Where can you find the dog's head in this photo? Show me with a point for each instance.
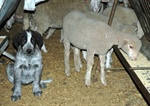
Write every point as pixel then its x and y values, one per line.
pixel 28 40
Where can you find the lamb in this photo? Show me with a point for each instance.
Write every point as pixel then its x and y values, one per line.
pixel 98 5
pixel 125 2
pixel 116 24
pixel 124 15
pixel 49 15
pixel 97 38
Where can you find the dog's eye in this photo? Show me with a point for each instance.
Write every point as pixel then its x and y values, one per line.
pixel 33 41
pixel 23 41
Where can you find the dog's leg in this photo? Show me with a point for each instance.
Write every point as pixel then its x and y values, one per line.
pixel 17 82
pixel 10 72
pixel 36 83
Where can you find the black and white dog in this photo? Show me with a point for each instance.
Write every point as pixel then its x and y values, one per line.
pixel 27 67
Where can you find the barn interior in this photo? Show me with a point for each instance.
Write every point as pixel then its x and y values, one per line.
pixel 122 87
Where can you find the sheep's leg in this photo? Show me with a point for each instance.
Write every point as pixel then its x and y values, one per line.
pixel 44 48
pixel 126 2
pixel 50 32
pixel 90 62
pixel 84 54
pixel 77 59
pixel 7 30
pixel 109 58
pixel 102 64
pixel 61 39
pixel 66 56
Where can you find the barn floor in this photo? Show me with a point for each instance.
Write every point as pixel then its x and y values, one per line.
pixel 70 91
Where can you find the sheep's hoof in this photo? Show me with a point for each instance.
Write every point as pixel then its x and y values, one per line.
pixel 67 73
pixel 77 69
pixel 109 71
pixel 80 65
pixel 88 83
pixel 103 81
pixel 45 51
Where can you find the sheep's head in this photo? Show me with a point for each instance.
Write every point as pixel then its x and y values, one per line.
pixel 131 47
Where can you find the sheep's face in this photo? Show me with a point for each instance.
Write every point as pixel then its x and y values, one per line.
pixel 95 5
pixel 132 48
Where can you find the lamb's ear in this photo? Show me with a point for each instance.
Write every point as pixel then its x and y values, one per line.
pixel 39 39
pixel 121 44
pixel 16 40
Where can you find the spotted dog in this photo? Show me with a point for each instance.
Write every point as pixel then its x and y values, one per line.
pixel 27 67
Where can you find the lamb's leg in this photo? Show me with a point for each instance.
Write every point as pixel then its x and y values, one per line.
pixel 44 48
pixel 66 56
pixel 90 62
pixel 84 54
pixel 102 64
pixel 61 39
pixel 109 58
pixel 77 59
pixel 126 2
pixel 50 32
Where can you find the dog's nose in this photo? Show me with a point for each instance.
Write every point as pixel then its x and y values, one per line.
pixel 29 51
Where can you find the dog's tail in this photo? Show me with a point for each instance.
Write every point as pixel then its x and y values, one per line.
pixel 44 82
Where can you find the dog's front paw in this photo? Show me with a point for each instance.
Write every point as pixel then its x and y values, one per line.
pixel 15 97
pixel 38 93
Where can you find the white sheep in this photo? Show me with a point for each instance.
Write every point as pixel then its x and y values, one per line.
pixel 98 5
pixel 116 24
pixel 125 2
pixel 28 22
pixel 49 15
pixel 128 17
pixel 97 38
pixel 124 15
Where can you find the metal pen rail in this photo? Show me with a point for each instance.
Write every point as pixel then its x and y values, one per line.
pixel 141 8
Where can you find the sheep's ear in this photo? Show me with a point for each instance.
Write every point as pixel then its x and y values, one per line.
pixel 39 39
pixel 134 24
pixel 121 44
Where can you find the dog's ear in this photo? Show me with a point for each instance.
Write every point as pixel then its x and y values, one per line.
pixel 39 39
pixel 16 40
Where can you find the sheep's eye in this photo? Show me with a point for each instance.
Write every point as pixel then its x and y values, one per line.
pixel 131 47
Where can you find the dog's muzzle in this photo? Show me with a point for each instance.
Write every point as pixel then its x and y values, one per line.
pixel 29 51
